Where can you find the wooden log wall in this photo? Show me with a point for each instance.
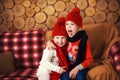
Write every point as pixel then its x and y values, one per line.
pixel 20 15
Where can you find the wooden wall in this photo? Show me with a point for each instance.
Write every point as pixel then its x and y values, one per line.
pixel 19 15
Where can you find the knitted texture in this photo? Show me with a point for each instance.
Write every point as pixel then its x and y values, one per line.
pixel 59 28
pixel 75 17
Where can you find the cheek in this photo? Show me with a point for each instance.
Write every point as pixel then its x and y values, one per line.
pixel 75 30
pixel 64 41
pixel 55 40
pixel 66 27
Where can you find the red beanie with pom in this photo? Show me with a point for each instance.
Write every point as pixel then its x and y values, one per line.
pixel 75 17
pixel 59 28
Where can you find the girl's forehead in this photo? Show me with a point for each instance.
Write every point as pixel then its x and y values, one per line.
pixel 70 22
pixel 60 36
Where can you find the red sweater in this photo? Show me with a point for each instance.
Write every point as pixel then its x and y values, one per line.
pixel 73 51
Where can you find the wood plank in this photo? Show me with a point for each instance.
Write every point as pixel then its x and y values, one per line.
pixel 8 3
pixel 19 23
pixel 82 4
pixel 30 22
pixel 37 9
pixel 51 20
pixel 63 14
pixel 51 1
pixel 59 6
pixel 26 3
pixel 33 1
pixel 3 28
pixel 113 5
pixel 1 7
pixel 90 11
pixel 101 4
pixel 41 26
pixel 112 17
pixel 10 24
pixel 7 15
pixel 18 1
pixel 40 17
pixel 118 11
pixel 30 12
pixel 1 20
pixel 49 10
pixel 33 5
pixel 100 17
pixel 73 1
pixel 41 3
pixel 69 6
pixel 88 20
pixel 19 10
pixel 92 2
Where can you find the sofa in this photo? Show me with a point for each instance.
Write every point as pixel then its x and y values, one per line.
pixel 105 44
pixel 20 52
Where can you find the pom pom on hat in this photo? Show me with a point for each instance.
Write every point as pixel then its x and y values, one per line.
pixel 76 10
pixel 59 28
pixel 75 17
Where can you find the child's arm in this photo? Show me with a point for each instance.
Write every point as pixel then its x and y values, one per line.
pixel 46 61
pixel 86 63
pixel 88 57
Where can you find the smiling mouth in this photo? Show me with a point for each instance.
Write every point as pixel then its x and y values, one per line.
pixel 69 30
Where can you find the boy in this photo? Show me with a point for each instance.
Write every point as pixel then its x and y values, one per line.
pixel 54 62
pixel 79 51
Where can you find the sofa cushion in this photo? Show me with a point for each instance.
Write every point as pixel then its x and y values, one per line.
pixel 27 47
pixel 6 62
pixel 20 74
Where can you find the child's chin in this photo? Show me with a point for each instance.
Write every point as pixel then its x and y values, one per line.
pixel 70 35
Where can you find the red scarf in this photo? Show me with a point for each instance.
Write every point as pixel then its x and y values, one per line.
pixel 62 57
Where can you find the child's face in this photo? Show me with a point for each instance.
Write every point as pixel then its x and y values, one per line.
pixel 60 40
pixel 71 28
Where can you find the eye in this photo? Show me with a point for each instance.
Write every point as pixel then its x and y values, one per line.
pixel 66 24
pixel 57 37
pixel 72 24
pixel 63 38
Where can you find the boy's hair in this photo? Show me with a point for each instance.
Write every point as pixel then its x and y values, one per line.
pixel 59 28
pixel 75 17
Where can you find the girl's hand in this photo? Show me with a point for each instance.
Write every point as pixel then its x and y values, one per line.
pixel 50 45
pixel 73 73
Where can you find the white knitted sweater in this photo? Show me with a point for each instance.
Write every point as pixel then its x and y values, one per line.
pixel 48 63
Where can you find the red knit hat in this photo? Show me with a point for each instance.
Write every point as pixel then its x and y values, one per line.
pixel 59 28
pixel 75 17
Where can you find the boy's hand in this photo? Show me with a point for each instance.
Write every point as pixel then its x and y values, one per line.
pixel 73 73
pixel 50 45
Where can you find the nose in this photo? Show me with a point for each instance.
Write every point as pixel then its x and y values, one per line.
pixel 68 26
pixel 60 40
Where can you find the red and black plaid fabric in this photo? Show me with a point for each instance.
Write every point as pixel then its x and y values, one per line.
pixel 20 74
pixel 27 47
pixel 115 56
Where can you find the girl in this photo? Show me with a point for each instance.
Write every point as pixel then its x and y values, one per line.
pixel 54 62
